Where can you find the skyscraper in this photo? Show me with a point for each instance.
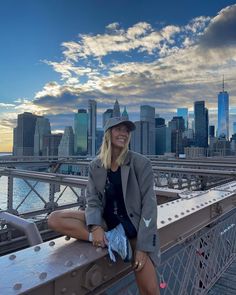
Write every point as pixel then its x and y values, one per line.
pixel 201 124
pixel 183 112
pixel 177 129
pixel 51 143
pixel 81 132
pixel 223 113
pixel 116 109
pixel 125 114
pixel 66 146
pixel 234 127
pixel 211 131
pixel 160 129
pixel 140 138
pixel 147 114
pixel 106 115
pixel 42 128
pixel 24 133
pixel 92 126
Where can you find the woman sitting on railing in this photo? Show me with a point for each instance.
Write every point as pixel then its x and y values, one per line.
pixel 121 206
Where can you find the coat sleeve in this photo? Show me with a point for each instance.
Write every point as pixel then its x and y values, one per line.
pixel 94 206
pixel 147 230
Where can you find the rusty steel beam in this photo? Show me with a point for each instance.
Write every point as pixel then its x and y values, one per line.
pixel 73 267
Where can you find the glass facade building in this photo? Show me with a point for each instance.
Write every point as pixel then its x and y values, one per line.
pixel 92 127
pixel 66 146
pixel 24 134
pixel 223 115
pixel 147 114
pixel 201 124
pixel 183 112
pixel 81 132
pixel 42 128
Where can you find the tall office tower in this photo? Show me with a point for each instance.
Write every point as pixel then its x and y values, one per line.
pixel 50 144
pixel 234 127
pixel 168 139
pixel 125 114
pixel 106 115
pixel 212 138
pixel 147 113
pixel 183 112
pixel 81 132
pixel 177 129
pixel 140 138
pixel 116 109
pixel 211 131
pixel 159 121
pixel 24 134
pixel 92 126
pixel 223 113
pixel 160 136
pixel 201 124
pixel 42 128
pixel 66 145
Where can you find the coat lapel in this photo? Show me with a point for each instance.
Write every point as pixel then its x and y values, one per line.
pixel 124 178
pixel 125 174
pixel 100 176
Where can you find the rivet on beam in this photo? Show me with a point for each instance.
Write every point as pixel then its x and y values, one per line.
pixel 43 275
pixel 63 290
pixel 67 238
pixel 68 263
pixel 52 243
pixel 82 256
pixel 37 248
pixel 17 286
pixel 12 257
pixel 74 273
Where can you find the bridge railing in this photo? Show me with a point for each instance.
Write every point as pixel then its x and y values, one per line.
pixel 48 191
pixel 196 248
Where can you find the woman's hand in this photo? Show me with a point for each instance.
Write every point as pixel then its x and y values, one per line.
pixel 140 259
pixel 98 237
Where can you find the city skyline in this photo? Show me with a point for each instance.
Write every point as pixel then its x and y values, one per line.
pixel 58 56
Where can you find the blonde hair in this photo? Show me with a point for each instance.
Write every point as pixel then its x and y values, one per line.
pixel 105 151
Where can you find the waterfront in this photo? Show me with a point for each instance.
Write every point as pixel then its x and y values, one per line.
pixel 32 201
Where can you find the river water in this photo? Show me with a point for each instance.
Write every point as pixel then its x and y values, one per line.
pixel 32 201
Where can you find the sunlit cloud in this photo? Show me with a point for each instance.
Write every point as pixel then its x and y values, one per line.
pixel 6 105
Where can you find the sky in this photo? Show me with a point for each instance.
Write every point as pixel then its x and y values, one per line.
pixel 55 55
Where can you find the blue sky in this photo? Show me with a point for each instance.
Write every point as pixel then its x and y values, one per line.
pixel 57 54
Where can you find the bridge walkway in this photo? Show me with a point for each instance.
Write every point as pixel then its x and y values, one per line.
pixel 226 285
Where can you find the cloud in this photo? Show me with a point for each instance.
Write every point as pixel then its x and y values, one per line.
pixel 166 67
pixel 6 105
pixel 113 26
pixel 221 31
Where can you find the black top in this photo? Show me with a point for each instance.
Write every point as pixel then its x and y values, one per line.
pixel 115 211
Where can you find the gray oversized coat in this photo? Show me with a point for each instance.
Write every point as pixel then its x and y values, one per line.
pixel 139 198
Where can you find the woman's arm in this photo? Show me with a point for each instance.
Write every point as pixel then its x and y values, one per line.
pixel 147 230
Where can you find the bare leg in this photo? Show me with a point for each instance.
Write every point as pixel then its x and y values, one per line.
pixel 146 278
pixel 69 222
